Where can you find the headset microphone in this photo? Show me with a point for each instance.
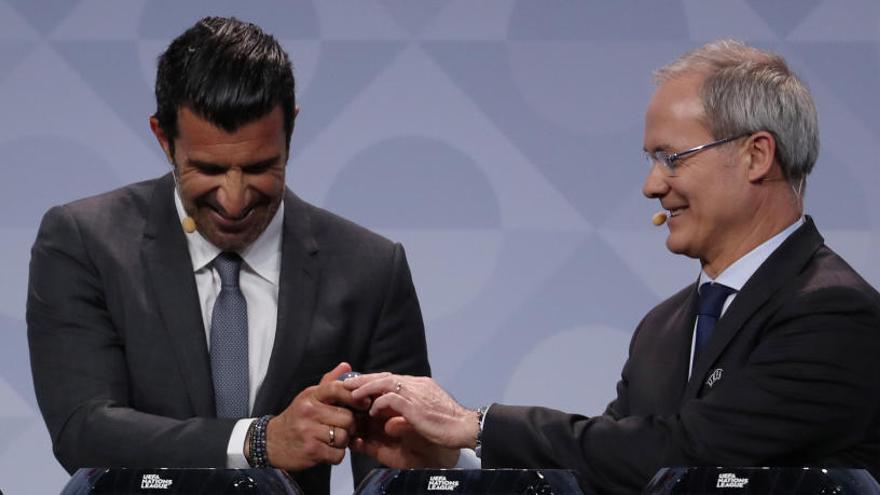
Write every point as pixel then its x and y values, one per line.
pixel 189 224
pixel 659 218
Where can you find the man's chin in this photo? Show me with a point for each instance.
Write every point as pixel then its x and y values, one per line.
pixel 229 241
pixel 237 235
pixel 677 246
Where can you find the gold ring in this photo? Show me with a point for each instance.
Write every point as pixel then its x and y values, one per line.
pixel 331 439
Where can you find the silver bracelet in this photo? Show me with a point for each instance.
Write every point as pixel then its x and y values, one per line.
pixel 481 414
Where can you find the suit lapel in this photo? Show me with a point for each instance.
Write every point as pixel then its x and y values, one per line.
pixel 169 270
pixel 673 378
pixel 296 305
pixel 775 272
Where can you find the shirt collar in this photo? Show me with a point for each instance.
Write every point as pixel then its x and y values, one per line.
pixel 737 274
pixel 263 256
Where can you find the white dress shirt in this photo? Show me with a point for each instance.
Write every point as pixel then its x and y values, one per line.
pixel 734 276
pixel 259 279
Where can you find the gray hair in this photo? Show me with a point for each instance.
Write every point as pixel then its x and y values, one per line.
pixel 747 90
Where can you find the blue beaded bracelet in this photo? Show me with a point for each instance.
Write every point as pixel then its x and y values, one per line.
pixel 259 457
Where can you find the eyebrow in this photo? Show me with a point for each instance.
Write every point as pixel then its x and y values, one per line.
pixel 258 164
pixel 660 147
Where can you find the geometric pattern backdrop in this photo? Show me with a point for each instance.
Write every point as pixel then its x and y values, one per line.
pixel 498 140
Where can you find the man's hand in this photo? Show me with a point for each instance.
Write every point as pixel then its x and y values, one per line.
pixel 316 426
pixel 395 443
pixel 415 412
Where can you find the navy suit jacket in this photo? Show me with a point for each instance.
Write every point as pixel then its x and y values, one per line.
pixel 118 350
pixel 790 377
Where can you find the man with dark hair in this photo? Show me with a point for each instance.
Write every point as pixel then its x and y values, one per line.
pixel 770 359
pixel 187 320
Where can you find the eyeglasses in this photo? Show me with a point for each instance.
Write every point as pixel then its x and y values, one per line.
pixel 668 159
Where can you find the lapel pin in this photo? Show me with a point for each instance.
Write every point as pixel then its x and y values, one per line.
pixel 714 377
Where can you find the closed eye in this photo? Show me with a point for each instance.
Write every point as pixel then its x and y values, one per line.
pixel 209 168
pixel 260 167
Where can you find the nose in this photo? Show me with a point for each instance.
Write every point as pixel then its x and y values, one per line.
pixel 656 185
pixel 232 194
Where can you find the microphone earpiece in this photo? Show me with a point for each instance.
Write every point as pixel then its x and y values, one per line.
pixel 659 218
pixel 189 224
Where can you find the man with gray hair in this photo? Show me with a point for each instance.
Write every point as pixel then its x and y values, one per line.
pixel 769 358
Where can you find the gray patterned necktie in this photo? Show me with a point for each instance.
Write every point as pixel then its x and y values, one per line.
pixel 229 341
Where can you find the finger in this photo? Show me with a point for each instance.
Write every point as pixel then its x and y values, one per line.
pixel 336 372
pixel 398 427
pixel 337 416
pixel 366 447
pixel 331 455
pixel 369 427
pixel 319 448
pixel 336 437
pixel 358 381
pixel 335 393
pixel 387 403
pixel 357 444
pixel 310 409
pixel 317 404
pixel 362 405
pixel 343 438
pixel 384 453
pixel 378 386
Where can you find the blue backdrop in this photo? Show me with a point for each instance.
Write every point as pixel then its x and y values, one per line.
pixel 499 140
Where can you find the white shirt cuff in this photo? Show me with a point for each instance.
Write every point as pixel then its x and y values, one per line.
pixel 467 459
pixel 235 448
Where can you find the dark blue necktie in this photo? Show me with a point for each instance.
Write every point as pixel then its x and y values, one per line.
pixel 229 341
pixel 709 304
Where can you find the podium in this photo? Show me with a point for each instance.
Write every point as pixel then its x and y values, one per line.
pixel 131 481
pixel 762 480
pixel 469 482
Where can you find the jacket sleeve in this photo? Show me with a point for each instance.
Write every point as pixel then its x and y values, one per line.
pixel 79 368
pixel 807 392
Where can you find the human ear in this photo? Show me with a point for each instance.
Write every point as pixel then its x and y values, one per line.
pixel 162 138
pixel 760 152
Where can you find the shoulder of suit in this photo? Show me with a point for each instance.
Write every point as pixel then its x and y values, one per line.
pixel 121 211
pixel 333 229
pixel 828 276
pixel 121 200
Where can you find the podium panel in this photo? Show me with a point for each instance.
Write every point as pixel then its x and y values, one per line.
pixel 762 480
pixel 131 481
pixel 469 481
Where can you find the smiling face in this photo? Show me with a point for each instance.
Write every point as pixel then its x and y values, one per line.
pixel 708 199
pixel 230 183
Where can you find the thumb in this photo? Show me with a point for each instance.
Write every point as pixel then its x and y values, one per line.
pixel 335 373
pixel 397 427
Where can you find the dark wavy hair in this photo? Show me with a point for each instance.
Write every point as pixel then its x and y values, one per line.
pixel 228 72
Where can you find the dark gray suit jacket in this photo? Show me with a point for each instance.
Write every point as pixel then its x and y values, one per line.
pixel 118 349
pixel 790 377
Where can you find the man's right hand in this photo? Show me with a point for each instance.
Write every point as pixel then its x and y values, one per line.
pixel 413 421
pixel 300 437
pixel 395 443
